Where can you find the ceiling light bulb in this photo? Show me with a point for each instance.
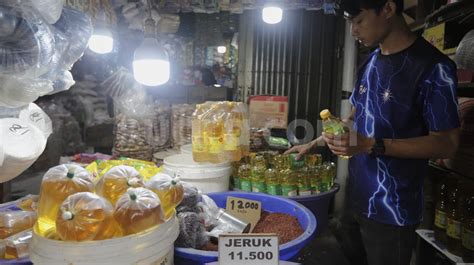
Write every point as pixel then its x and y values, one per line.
pixel 151 66
pixel 272 14
pixel 101 41
pixel 221 49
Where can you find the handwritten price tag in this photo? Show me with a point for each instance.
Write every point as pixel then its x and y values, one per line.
pixel 246 210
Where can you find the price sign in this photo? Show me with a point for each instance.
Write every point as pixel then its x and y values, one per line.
pixel 246 210
pixel 248 249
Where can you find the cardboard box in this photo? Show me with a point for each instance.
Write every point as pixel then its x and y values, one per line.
pixel 268 112
pixel 437 37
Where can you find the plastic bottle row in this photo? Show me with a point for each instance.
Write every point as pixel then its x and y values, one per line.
pixel 283 175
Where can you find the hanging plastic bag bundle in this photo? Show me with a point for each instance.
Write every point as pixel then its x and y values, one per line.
pixel 58 183
pixel 116 182
pixel 169 190
pixel 86 216
pixel 137 210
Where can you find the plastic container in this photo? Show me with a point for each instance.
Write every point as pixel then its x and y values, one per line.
pixel 206 177
pixel 152 246
pixel 186 149
pixel 269 203
pixel 318 204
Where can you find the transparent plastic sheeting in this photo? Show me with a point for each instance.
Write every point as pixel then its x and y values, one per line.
pixel 23 135
pixel 35 57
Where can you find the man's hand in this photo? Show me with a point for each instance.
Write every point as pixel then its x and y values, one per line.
pixel 304 148
pixel 348 144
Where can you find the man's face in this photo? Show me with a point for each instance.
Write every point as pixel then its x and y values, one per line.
pixel 369 28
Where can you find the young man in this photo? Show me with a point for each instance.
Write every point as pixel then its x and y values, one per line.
pixel 404 112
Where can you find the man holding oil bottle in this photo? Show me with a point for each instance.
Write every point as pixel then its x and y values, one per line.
pixel 404 112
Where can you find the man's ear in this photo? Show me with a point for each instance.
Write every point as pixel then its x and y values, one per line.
pixel 390 9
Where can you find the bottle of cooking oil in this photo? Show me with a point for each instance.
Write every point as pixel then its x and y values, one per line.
pixel 235 175
pixel 244 175
pixel 116 181
pixel 215 132
pixel 198 142
pixel 315 173
pixel 58 183
pixel 439 227
pixel 289 181
pixel 169 190
pixel 138 210
pixel 467 230
pixel 453 220
pixel 312 160
pixel 272 182
pixel 304 182
pixel 232 132
pixel 333 125
pixel 85 216
pixel 257 174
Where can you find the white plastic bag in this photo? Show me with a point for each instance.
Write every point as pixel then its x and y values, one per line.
pixel 21 143
pixel 36 116
pixel 17 92
pixel 49 9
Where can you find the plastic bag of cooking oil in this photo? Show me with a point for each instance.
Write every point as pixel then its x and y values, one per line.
pixel 17 245
pixel 116 181
pixel 169 190
pixel 137 210
pixel 58 183
pixel 15 221
pixel 86 216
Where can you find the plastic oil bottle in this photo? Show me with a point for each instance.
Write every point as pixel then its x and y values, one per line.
pixel 257 174
pixel 333 125
pixel 467 230
pixel 272 182
pixel 439 227
pixel 315 173
pixel 453 220
pixel 232 132
pixel 304 184
pixel 198 143
pixel 289 181
pixel 215 132
pixel 244 176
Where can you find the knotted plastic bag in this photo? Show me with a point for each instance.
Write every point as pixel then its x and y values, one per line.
pixel 116 182
pixel 192 233
pixel 137 210
pixel 15 221
pixel 86 216
pixel 58 183
pixel 169 190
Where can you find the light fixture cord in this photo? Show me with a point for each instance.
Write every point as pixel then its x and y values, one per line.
pixel 150 23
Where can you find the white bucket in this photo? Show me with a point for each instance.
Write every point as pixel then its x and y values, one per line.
pixel 186 149
pixel 154 246
pixel 206 177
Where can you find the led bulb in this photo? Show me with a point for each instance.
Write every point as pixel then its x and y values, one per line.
pixel 101 41
pixel 272 14
pixel 221 49
pixel 151 66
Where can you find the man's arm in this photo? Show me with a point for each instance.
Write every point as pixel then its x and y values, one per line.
pixel 435 145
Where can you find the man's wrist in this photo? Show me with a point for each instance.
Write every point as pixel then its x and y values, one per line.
pixel 370 145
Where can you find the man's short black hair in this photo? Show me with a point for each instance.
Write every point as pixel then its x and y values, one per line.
pixel 352 8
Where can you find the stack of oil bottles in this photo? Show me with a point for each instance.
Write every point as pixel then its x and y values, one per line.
pixel 220 132
pixel 454 216
pixel 280 174
pixel 75 206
